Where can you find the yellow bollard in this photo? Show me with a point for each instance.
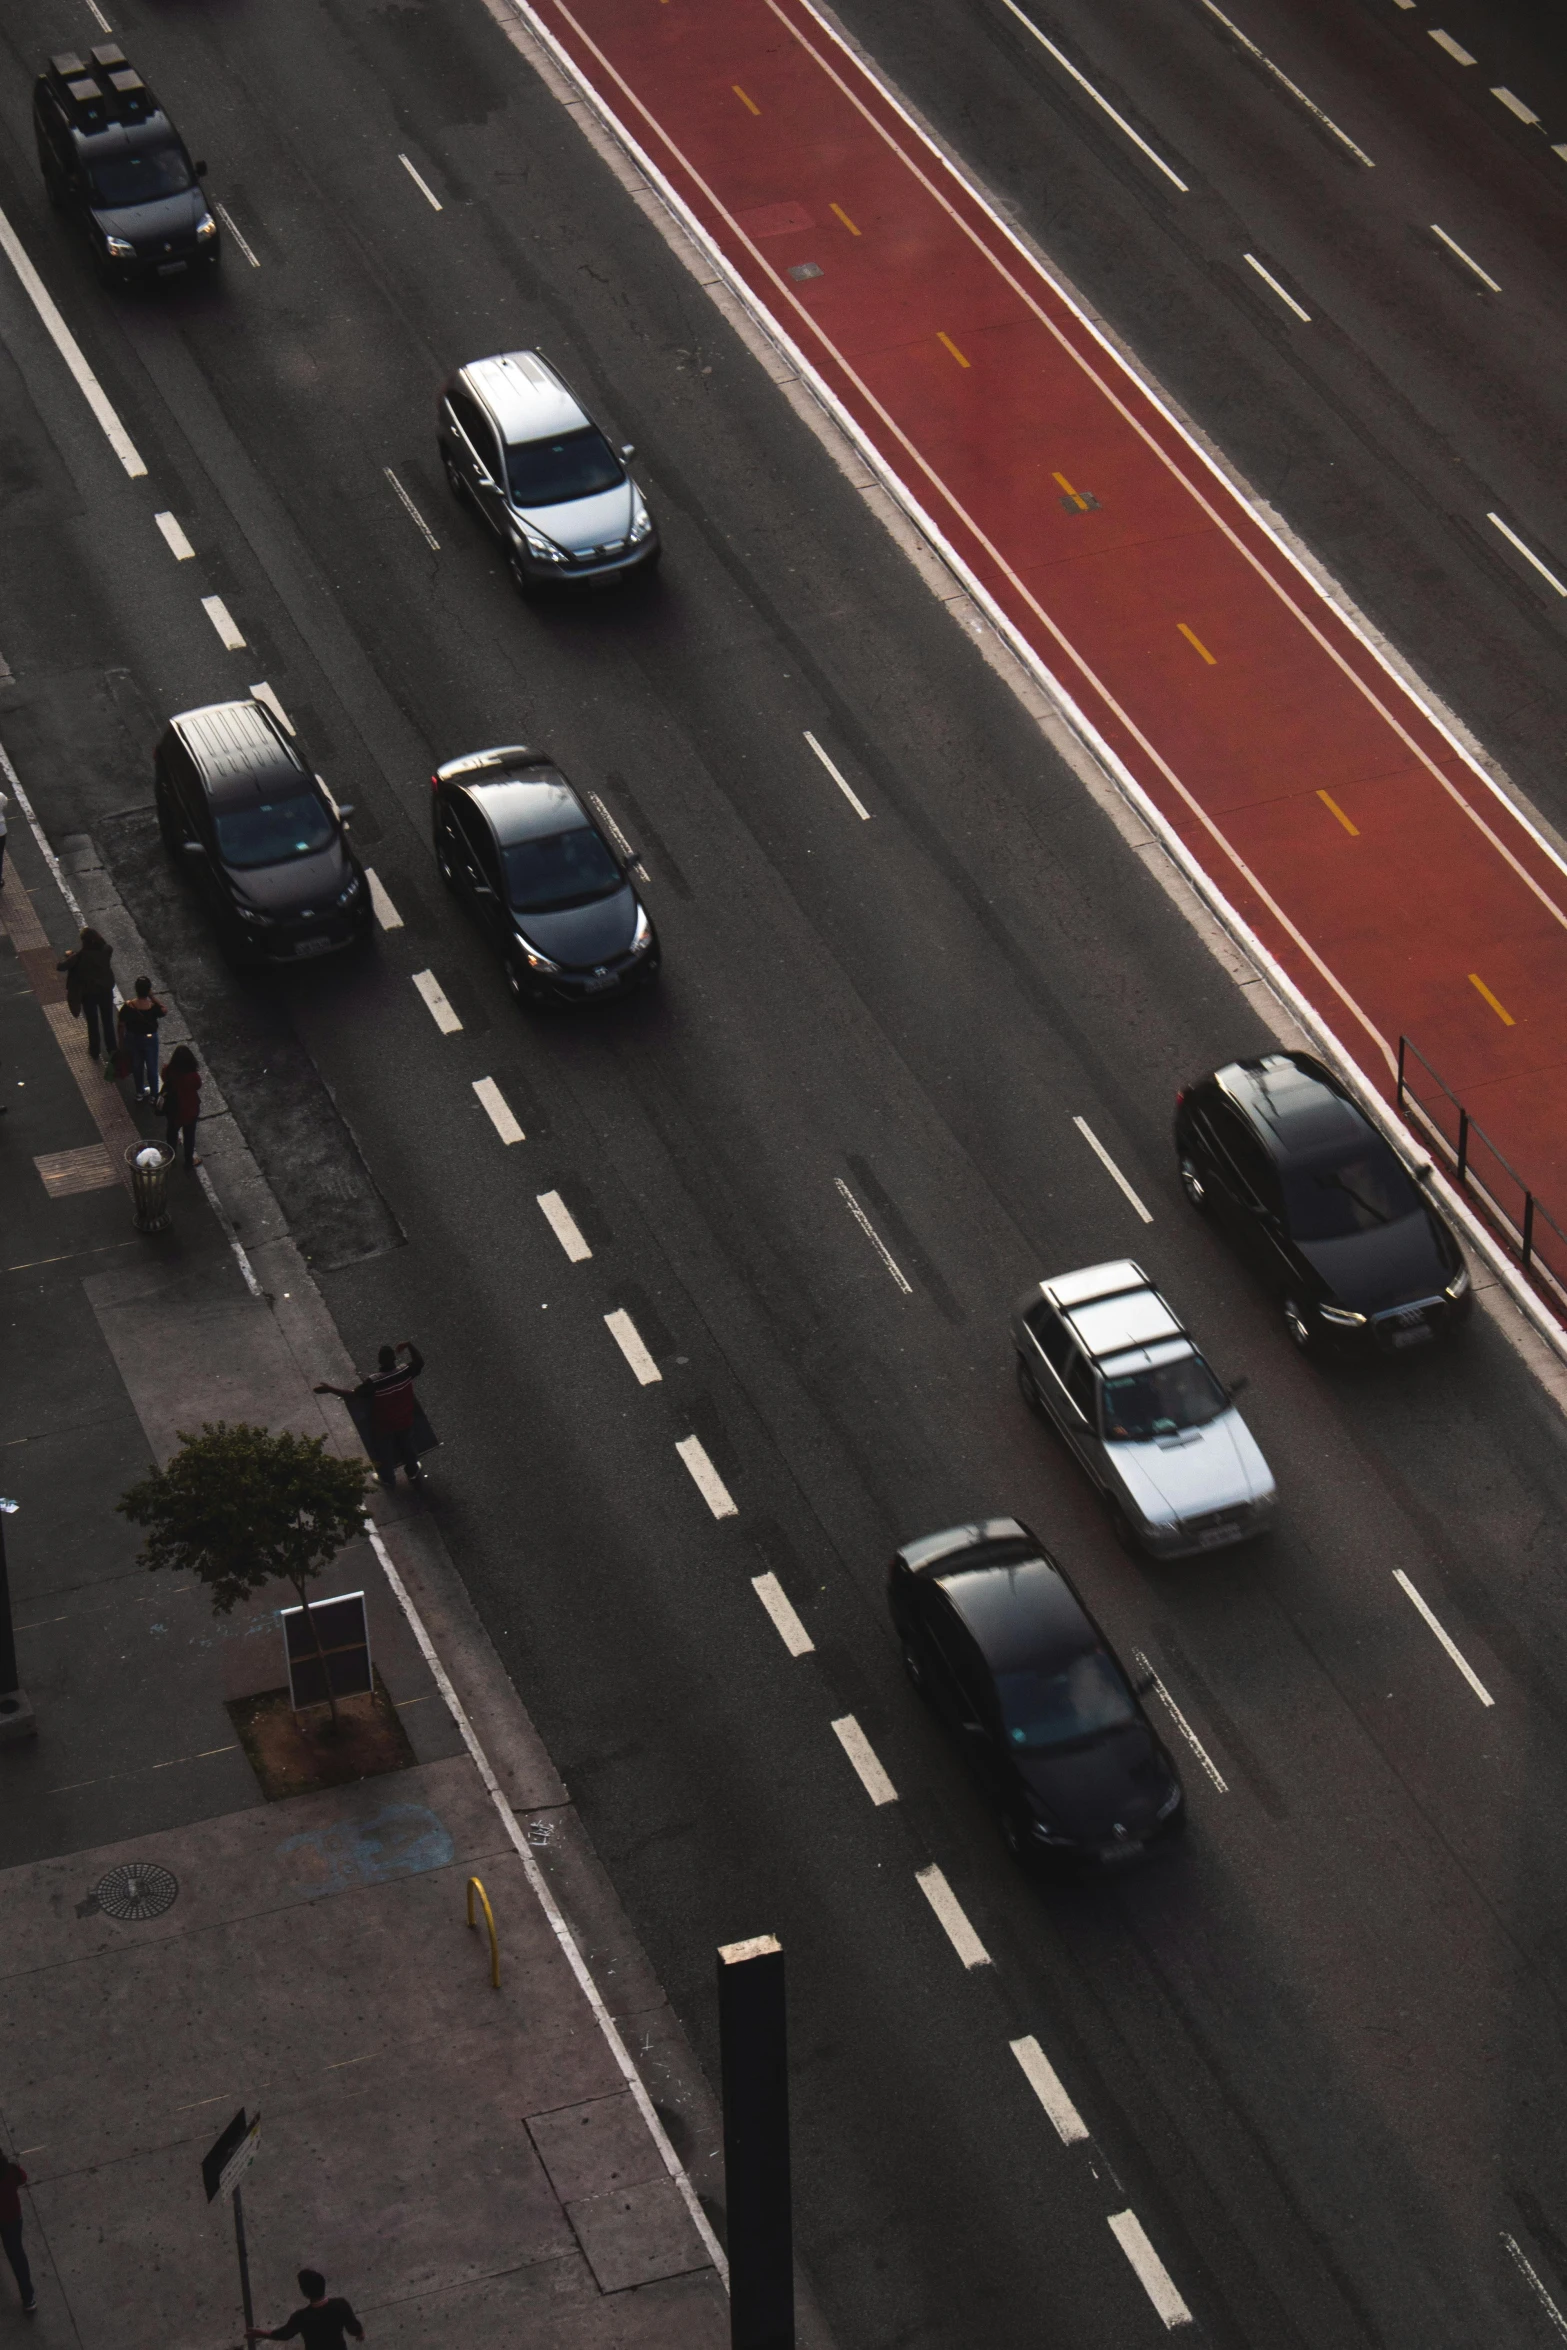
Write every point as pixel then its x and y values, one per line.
pixel 474 1887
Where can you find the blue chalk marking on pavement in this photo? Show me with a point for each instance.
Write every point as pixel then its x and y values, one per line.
pixel 399 1841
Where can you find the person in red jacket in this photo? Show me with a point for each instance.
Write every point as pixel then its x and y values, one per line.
pixel 12 2176
pixel 182 1100
pixel 389 1391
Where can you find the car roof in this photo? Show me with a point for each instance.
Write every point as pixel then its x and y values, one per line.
pixel 1112 1307
pixel 1077 1289
pixel 920 1555
pixel 525 397
pixel 1293 1103
pixel 238 750
pixel 1018 1609
pixel 530 807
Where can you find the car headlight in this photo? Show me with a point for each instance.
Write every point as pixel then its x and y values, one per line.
pixel 545 549
pixel 642 525
pixel 119 248
pixel 349 890
pixel 1170 1803
pixel 531 956
pixel 1459 1283
pixel 206 227
pixel 642 936
pixel 254 915
pixel 1341 1317
pixel 1045 1834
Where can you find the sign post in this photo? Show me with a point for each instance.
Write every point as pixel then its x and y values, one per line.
pixel 222 2167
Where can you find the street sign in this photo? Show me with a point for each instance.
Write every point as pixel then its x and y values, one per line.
pixel 227 2160
pixel 344 1632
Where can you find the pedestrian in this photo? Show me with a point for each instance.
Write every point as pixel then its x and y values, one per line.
pixel 12 2177
pixel 89 988
pixel 139 1017
pixel 320 2325
pixel 181 1099
pixel 389 1392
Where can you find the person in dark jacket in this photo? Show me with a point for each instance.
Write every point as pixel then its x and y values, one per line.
pixel 139 1017
pixel 320 2325
pixel 89 988
pixel 12 2177
pixel 389 1391
pixel 182 1100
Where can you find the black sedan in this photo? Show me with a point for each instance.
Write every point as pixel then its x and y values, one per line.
pixel 998 1641
pixel 1321 1204
pixel 547 886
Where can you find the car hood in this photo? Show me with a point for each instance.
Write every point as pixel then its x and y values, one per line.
pixel 170 221
pixel 282 890
pixel 582 936
pixel 1370 1271
pixel 585 522
pixel 1210 1468
pixel 1122 1779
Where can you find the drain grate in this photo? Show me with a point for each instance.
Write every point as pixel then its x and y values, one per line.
pixel 136 1891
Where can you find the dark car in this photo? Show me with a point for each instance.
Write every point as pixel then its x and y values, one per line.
pixel 998 1641
pixel 1320 1202
pixel 112 159
pixel 551 891
pixel 261 837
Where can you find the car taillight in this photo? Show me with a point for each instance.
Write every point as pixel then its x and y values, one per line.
pixel 435 783
pixel 1180 1096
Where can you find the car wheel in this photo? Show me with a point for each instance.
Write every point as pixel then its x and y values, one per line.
pixel 443 865
pixel 1299 1325
pixel 1013 1837
pixel 914 1666
pixel 520 579
pixel 515 980
pixel 1124 1531
pixel 166 832
pixel 1026 1387
pixel 454 479
pixel 1194 1184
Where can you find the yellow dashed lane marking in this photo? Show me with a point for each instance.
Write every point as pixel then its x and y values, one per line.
pixel 1210 658
pixel 948 344
pixel 1334 809
pixel 1501 1011
pixel 749 103
pixel 844 217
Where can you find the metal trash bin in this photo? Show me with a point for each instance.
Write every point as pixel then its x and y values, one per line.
pixel 149 1163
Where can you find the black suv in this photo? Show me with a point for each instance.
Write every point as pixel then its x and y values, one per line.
pixel 110 156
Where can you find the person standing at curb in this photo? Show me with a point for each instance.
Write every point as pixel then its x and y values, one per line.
pixel 389 1392
pixel 13 2177
pixel 139 1017
pixel 181 1099
pixel 320 2325
pixel 89 988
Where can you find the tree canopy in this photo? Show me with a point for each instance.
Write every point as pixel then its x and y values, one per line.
pixel 239 1507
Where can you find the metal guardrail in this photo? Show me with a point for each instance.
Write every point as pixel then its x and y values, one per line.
pixel 474 1887
pixel 1479 1167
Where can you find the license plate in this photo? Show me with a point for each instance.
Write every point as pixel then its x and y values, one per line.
pixel 597 986
pixel 1420 1337
pixel 1113 1854
pixel 1215 1535
pixel 170 268
pixel 313 946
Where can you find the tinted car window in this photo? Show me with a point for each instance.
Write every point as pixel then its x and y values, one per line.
pixel 1063 1704
pixel 1082 1387
pixel 270 832
pixel 1161 1402
pixel 1054 1338
pixel 1246 1155
pixel 548 473
pixel 1332 1201
pixel 476 426
pixel 563 869
pixel 119 181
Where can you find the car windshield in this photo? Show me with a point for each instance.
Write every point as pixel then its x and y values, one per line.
pixel 1331 1202
pixel 549 473
pixel 138 177
pixel 562 869
pixel 1064 1705
pixel 1161 1402
pixel 270 832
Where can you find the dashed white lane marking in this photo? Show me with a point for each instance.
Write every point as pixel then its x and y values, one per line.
pixel 174 538
pixel 434 996
pixel 1468 261
pixel 1269 279
pixel 1517 106
pixel 380 904
pixel 1110 1167
pixel 953 1916
pixel 1455 49
pixel 563 1224
pixel 1151 2273
pixel 853 797
pixel 413 512
pixel 1528 554
pixel 227 219
pixel 1182 1724
pixel 615 833
pixel 98 13
pixel 862 1754
pixel 499 1109
pixel 786 1623
pixel 706 1478
pixel 1325 121
pixel 629 1340
pixel 1084 83
pixel 1451 1645
pixel 1043 2079
pixel 224 622
pixel 423 185
pixel 1531 2277
pixel 872 1235
pixel 263 693
pixel 70 351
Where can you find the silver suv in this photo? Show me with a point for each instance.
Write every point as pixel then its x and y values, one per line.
pixel 519 446
pixel 1102 1355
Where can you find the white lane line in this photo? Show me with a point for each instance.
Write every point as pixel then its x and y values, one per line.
pixel 1451 1645
pixel 1464 258
pixel 706 1478
pixel 434 995
pixel 1043 2079
pixel 1517 106
pixel 629 1340
pixel 1269 279
pixel 786 1623
pixel 263 693
pixel 853 797
pixel 1455 49
pixel 1561 151
pixel 70 351
pixel 1110 1167
pixel 413 512
pixel 423 186
pixel 227 219
pixel 380 904
pixel 954 1918
pixel 563 1224
pixel 1527 553
pixel 223 621
pixel 862 1754
pixel 1084 83
pixel 1182 1724
pixel 1531 2277
pixel 872 1235
pixel 98 13
pixel 1152 2275
pixel 1294 89
pixel 615 833
pixel 174 538
pixel 499 1108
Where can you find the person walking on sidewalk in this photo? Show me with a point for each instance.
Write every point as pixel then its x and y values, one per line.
pixel 181 1099
pixel 389 1392
pixel 320 2325
pixel 13 2177
pixel 89 988
pixel 139 1017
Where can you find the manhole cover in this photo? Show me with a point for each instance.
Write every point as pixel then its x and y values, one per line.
pixel 136 1891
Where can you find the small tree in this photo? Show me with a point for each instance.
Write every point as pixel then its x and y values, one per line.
pixel 238 1507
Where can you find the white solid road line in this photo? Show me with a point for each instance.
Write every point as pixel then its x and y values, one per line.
pixel 1181 1723
pixel 563 1224
pixel 381 905
pixel 1084 83
pixel 499 1109
pixel 1517 106
pixel 953 1917
pixel 423 186
pixel 1465 258
pixel 1110 1167
pixel 706 1478
pixel 1043 2079
pixel 227 219
pixel 99 15
pixel 786 1623
pixel 224 622
pixel 1531 2277
pixel 1455 49
pixel 615 833
pixel 1451 1645
pixel 1528 554
pixel 629 1340
pixel 70 351
pixel 862 1754
pixel 1312 108
pixel 1152 2275
pixel 1269 279
pixel 263 693
pixel 853 797
pixel 434 995
pixel 413 512
pixel 872 1235
pixel 175 540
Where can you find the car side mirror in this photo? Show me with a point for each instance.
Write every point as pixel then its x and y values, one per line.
pixel 628 450
pixel 192 848
pixel 1145 1686
pixel 345 811
pixel 482 889
pixel 200 170
pixel 1238 1386
pixel 975 1730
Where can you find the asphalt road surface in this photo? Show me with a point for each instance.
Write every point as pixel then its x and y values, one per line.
pixel 1317 2052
